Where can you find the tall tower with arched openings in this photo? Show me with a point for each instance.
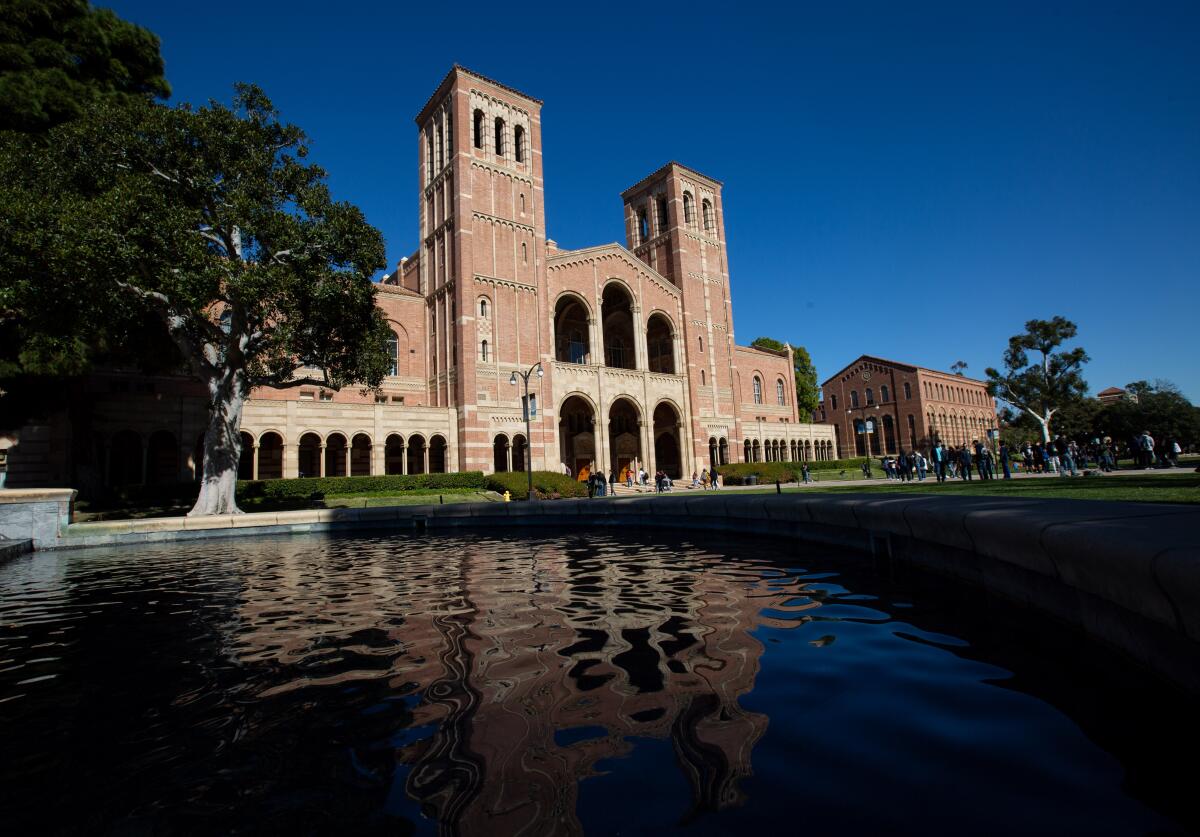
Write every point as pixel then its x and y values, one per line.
pixel 483 239
pixel 675 223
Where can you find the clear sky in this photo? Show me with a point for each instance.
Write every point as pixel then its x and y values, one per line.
pixel 910 180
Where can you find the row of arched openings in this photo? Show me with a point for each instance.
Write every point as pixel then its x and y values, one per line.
pixel 662 221
pixel 509 455
pixel 573 340
pixel 785 450
pixel 499 136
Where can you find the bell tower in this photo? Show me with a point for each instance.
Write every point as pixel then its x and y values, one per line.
pixel 674 222
pixel 483 242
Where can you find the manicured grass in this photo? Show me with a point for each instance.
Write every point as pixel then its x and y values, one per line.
pixel 1156 488
pixel 409 498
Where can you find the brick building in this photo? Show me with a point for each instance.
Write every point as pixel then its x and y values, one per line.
pixel 911 407
pixel 635 341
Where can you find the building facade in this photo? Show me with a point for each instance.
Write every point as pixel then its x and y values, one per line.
pixel 908 406
pixel 635 342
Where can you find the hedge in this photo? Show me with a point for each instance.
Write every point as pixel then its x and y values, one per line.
pixel 769 472
pixel 548 485
pixel 316 488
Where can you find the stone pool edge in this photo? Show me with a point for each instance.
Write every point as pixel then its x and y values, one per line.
pixel 1125 573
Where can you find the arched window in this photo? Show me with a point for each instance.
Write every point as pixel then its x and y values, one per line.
pixel 883 393
pixel 779 391
pixel 853 398
pixel 706 208
pixel 483 308
pixel 833 402
pixel 524 253
pixel 701 339
pixel 522 203
pixel 483 351
pixel 907 391
pixel 643 226
pixel 689 210
pixel 870 396
pixel 701 377
pixel 393 350
pixel 519 143
pixel 499 137
pixel 757 390
pixel 477 135
pixel 661 203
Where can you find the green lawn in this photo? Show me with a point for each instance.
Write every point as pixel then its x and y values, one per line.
pixel 1156 488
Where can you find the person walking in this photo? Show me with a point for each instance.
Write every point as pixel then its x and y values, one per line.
pixel 1004 460
pixel 1145 446
pixel 939 461
pixel 1173 451
pixel 804 472
pixel 922 465
pixel 964 463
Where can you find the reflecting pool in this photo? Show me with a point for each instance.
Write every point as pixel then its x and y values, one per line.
pixel 603 683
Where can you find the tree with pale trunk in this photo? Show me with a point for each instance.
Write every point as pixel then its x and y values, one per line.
pixel 1053 379
pixel 211 221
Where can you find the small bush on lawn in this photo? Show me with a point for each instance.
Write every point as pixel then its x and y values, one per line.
pixel 316 488
pixel 547 484
pixel 768 472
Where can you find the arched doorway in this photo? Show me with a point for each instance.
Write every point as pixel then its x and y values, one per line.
pixel 713 452
pixel 520 449
pixel 416 454
pixel 393 454
pixel 748 453
pixel 660 344
pixel 624 437
pixel 360 456
pixel 889 434
pixel 335 455
pixel 437 455
pixel 162 459
pixel 310 455
pixel 500 454
pixel 270 456
pixel 667 456
pixel 723 450
pixel 576 436
pixel 246 458
pixel 125 459
pixel 617 316
pixel 572 343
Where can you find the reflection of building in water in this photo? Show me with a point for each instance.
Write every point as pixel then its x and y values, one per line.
pixel 535 669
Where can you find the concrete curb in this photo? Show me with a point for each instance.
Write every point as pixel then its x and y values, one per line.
pixel 1127 573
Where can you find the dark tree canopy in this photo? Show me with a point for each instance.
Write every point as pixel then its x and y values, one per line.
pixel 57 57
pixel 209 220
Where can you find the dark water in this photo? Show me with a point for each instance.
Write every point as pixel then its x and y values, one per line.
pixel 559 685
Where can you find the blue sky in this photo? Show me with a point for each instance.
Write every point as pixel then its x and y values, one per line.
pixel 913 181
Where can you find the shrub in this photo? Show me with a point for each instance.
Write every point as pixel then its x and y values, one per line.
pixel 316 488
pixel 547 484
pixel 768 472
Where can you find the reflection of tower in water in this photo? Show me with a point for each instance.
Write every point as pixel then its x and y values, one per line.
pixel 591 640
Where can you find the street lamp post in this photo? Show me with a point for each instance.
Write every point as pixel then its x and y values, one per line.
pixel 512 379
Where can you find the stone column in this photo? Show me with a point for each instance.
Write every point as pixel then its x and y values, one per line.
pixel 404 458
pixel 291 460
pixel 425 451
pixel 647 444
pixel 254 466
pixel 349 448
pixel 321 454
pixel 640 352
pixel 378 459
pixel 508 453
pixel 596 332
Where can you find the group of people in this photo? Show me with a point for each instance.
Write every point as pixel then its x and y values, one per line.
pixel 599 486
pixel 706 479
pixel 965 461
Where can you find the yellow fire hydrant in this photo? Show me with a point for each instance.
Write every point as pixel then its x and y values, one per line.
pixel 507 496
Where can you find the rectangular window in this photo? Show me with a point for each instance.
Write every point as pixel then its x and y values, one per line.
pixel 307 395
pixel 397 399
pixel 326 396
pixel 381 399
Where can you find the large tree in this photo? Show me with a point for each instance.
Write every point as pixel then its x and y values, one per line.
pixel 211 221
pixel 1159 407
pixel 58 57
pixel 1050 381
pixel 808 392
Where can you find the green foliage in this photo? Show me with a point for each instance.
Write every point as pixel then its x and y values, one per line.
pixel 1048 383
pixel 1160 408
pixel 59 56
pixel 808 391
pixel 547 485
pixel 316 488
pixel 768 472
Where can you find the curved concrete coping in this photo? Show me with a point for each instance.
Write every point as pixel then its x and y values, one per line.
pixel 1127 573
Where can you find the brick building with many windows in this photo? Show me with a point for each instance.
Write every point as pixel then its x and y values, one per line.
pixel 635 342
pixel 910 407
